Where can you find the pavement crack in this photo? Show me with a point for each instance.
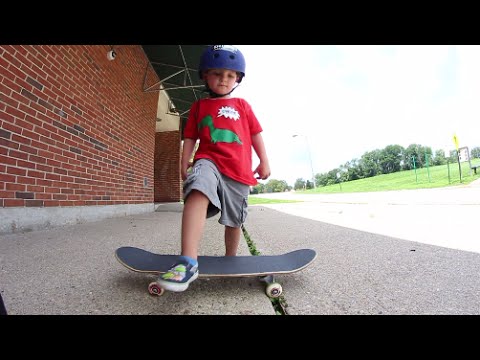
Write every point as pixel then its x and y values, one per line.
pixel 279 304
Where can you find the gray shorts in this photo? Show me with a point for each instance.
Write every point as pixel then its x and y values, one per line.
pixel 225 194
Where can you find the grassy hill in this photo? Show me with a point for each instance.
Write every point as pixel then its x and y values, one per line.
pixel 433 177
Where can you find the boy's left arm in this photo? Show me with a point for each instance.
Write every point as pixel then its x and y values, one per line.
pixel 263 169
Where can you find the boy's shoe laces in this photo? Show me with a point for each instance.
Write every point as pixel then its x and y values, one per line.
pixel 178 277
pixel 176 273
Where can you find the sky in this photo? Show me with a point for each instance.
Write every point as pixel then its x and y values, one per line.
pixel 343 101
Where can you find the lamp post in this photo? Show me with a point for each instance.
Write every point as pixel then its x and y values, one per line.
pixel 309 156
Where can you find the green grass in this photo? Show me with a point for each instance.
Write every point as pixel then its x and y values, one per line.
pixel 433 177
pixel 253 200
pixel 279 304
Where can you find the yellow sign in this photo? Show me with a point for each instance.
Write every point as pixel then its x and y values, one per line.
pixel 455 140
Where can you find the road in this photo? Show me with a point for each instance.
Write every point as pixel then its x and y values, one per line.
pixel 446 217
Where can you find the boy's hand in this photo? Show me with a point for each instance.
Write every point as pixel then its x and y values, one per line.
pixel 263 171
pixel 185 170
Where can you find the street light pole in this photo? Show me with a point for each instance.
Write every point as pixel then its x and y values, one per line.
pixel 309 156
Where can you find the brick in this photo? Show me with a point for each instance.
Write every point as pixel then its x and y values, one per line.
pixel 16 171
pixel 35 203
pixel 34 83
pixel 13 202
pixel 167 184
pixel 5 134
pixel 24 195
pixel 87 134
pixel 15 187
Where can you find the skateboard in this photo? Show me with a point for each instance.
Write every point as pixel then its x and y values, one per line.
pixel 262 266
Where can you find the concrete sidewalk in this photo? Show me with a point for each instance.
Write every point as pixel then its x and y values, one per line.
pixel 359 272
pixel 440 216
pixel 72 270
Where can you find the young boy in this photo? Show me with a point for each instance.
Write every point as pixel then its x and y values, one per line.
pixel 222 172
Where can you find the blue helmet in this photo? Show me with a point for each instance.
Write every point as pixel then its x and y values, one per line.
pixel 222 57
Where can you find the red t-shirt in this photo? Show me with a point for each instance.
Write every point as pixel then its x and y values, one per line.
pixel 225 128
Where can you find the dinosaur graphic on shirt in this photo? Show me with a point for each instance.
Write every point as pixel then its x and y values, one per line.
pixel 222 135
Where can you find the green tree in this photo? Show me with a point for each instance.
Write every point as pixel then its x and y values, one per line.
pixel 414 151
pixel 299 184
pixel 391 158
pixel 322 179
pixel 453 156
pixel 274 185
pixel 475 153
pixel 439 158
pixel 370 163
pixel 352 170
pixel 332 176
pixel 258 189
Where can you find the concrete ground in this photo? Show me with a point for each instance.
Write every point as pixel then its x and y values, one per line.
pixel 358 272
pixel 443 216
pixel 73 270
pixel 374 270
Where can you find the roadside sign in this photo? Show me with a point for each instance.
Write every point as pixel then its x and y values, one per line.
pixel 464 154
pixel 455 141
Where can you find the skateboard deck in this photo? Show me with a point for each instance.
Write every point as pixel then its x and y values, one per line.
pixel 265 266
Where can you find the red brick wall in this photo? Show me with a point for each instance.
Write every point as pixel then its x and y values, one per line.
pixel 75 128
pixel 168 181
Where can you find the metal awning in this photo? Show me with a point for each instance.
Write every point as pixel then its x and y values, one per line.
pixel 177 69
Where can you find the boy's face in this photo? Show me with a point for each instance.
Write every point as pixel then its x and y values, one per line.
pixel 221 81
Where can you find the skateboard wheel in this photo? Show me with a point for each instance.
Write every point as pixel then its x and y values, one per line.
pixel 155 289
pixel 274 290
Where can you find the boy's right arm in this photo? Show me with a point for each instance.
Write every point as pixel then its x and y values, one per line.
pixel 263 169
pixel 188 145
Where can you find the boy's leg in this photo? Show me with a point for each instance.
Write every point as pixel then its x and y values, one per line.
pixel 232 239
pixel 234 199
pixel 200 189
pixel 185 270
pixel 193 222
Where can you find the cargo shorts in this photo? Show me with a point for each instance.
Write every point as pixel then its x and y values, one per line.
pixel 226 195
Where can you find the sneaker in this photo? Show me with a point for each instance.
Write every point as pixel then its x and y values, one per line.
pixel 179 276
